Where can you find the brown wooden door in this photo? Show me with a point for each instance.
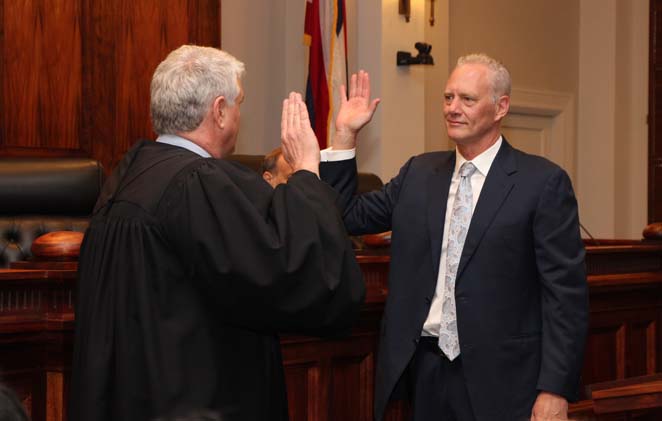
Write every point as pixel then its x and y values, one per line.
pixel 75 74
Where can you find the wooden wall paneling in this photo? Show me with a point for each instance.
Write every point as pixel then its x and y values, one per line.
pixel 332 379
pixel 604 356
pixel 127 44
pixel 144 33
pixel 55 399
pixel 41 77
pixel 621 344
pixel 642 347
pixel 76 73
pixel 330 382
pixel 351 387
pixel 139 50
pixel 301 378
pixel 397 411
pixel 99 83
pixel 20 80
pixel 640 342
pixel 204 27
pixel 24 376
pixel 625 326
pixel 60 75
pixel 655 113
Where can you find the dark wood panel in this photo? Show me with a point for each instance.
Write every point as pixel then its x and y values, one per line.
pixel 604 353
pixel 621 344
pixel 41 74
pixel 351 387
pixel 100 24
pixel 642 348
pixel 329 379
pixel 60 74
pixel 299 380
pixel 76 73
pixel 654 113
pixel 333 379
pixel 20 73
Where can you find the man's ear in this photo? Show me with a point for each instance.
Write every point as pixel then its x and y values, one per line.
pixel 503 105
pixel 267 176
pixel 218 111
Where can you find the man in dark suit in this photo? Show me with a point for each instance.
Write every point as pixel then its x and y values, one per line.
pixel 487 311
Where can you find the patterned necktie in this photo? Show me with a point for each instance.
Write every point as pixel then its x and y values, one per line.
pixel 457 232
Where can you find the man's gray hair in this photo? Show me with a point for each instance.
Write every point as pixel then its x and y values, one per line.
pixel 499 75
pixel 187 82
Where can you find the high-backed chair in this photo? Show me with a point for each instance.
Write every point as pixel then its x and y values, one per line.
pixel 41 195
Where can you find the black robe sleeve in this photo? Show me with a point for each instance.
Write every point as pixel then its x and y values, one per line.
pixel 272 260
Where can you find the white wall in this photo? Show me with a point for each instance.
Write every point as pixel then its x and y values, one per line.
pixel 401 89
pixel 409 119
pixel 536 39
pixel 267 36
pixel 612 131
pixel 631 98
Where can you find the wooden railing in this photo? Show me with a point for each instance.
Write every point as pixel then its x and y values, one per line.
pixel 333 379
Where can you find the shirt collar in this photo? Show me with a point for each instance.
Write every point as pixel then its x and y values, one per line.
pixel 484 161
pixel 175 140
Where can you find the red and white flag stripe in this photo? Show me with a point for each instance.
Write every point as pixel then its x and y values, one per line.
pixel 326 36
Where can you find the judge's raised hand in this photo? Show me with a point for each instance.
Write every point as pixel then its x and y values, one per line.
pixel 549 407
pixel 355 111
pixel 300 147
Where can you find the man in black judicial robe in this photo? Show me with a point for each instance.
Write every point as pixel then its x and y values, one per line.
pixel 192 264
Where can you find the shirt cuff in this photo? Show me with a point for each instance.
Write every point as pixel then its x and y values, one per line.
pixel 330 155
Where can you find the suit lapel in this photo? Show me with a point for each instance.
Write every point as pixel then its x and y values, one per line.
pixel 437 193
pixel 498 185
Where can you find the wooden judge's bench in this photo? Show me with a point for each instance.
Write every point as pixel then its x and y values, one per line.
pixel 332 380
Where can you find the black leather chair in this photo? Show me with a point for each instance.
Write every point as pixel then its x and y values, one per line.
pixel 41 195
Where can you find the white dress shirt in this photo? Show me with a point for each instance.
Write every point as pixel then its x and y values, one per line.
pixel 483 162
pixel 330 155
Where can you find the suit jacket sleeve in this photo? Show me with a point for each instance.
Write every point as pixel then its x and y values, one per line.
pixel 369 212
pixel 564 292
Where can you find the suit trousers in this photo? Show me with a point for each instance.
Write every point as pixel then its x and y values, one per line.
pixel 437 385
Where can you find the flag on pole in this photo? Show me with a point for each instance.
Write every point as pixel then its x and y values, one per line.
pixel 326 38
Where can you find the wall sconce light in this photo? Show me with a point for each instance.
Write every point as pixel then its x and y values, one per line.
pixel 404 8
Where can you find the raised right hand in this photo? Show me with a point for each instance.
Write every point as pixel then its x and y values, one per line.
pixel 355 111
pixel 300 147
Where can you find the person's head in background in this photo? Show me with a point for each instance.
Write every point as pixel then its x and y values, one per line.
pixel 275 170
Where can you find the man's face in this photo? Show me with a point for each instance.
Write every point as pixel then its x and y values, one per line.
pixel 280 174
pixel 469 108
pixel 231 122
